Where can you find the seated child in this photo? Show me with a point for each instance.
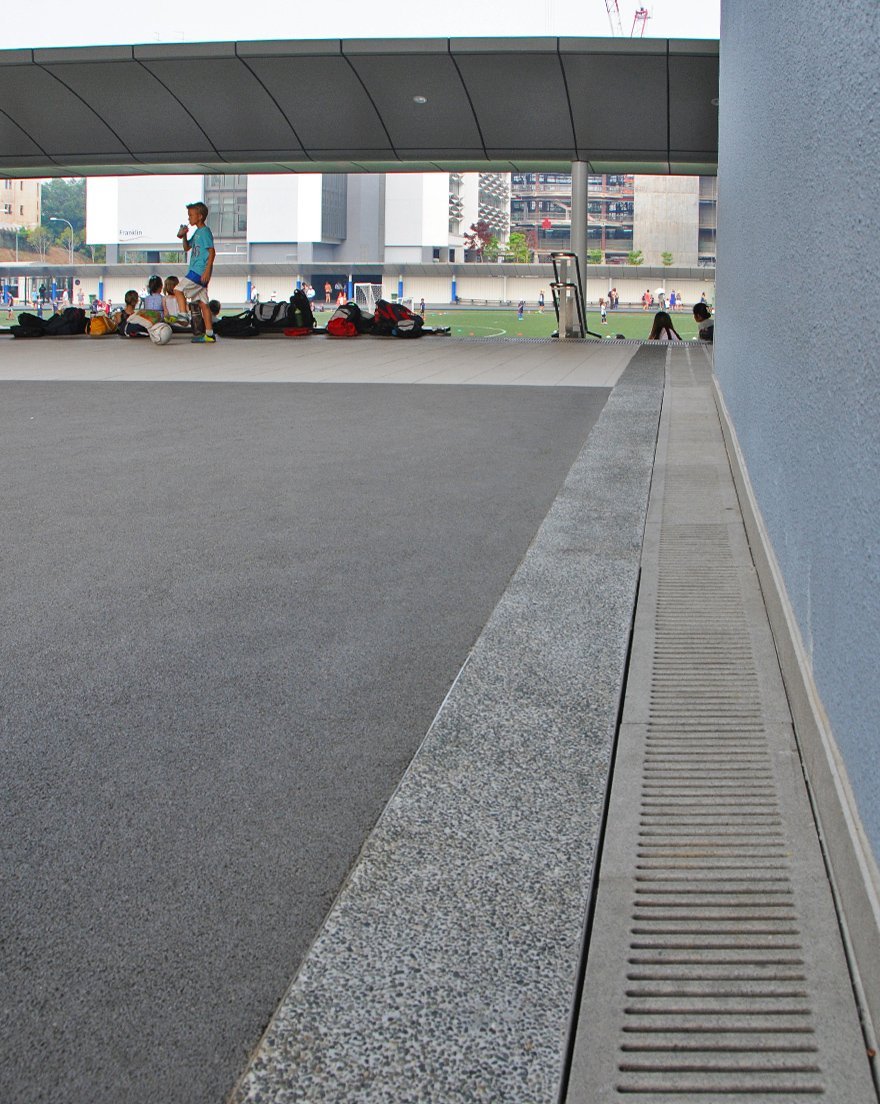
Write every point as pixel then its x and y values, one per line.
pixel 132 321
pixel 174 303
pixel 153 298
pixel 215 306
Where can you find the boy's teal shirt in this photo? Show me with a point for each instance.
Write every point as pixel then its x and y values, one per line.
pixel 201 241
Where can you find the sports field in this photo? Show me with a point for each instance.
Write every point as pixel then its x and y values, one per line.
pixel 504 323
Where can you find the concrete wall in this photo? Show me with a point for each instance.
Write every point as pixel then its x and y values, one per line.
pixel 798 175
pixel 666 215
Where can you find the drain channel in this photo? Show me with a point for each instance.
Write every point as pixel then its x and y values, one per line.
pixel 715 970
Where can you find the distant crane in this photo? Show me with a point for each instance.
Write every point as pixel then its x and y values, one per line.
pixel 614 17
pixel 641 16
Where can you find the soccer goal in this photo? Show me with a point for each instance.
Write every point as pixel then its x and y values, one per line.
pixel 366 295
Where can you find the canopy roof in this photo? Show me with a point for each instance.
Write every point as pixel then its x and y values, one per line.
pixel 524 104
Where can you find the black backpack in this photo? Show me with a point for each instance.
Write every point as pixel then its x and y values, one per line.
pixel 237 325
pixel 28 326
pixel 300 311
pixel 396 320
pixel 70 321
pixel 296 314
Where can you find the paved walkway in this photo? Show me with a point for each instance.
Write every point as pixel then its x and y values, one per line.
pixel 430 360
pixel 498 939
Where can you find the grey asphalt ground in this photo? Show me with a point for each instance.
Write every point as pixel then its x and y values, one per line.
pixel 229 612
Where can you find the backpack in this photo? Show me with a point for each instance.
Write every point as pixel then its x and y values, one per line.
pixel 396 320
pixel 270 316
pixel 29 325
pixel 300 313
pixel 348 321
pixel 100 325
pixel 237 325
pixel 72 320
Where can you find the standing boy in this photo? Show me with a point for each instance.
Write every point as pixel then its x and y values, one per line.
pixel 199 249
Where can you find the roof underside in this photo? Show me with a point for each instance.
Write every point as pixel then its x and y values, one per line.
pixel 348 106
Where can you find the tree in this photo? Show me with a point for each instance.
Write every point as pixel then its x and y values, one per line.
pixel 476 239
pixel 594 256
pixel 634 257
pixel 666 258
pixel 39 238
pixel 491 249
pixel 64 199
pixel 518 248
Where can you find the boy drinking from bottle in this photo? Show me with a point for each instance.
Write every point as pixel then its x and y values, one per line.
pixel 199 249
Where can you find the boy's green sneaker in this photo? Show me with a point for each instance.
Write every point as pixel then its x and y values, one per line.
pixel 203 339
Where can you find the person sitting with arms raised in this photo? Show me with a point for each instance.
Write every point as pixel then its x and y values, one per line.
pixel 663 330
pixel 705 322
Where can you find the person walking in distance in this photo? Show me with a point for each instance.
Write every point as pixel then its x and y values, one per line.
pixel 541 301
pixel 199 250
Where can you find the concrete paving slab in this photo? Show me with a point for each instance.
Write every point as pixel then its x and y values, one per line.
pixel 446 969
pixel 320 359
pixel 230 613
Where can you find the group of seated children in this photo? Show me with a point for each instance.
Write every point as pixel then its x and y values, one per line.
pixel 164 302
pixel 664 330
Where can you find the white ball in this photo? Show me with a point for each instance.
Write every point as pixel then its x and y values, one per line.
pixel 160 334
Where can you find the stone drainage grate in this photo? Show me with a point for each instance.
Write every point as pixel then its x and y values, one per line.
pixel 715 970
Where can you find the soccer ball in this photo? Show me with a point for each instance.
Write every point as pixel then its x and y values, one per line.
pixel 160 334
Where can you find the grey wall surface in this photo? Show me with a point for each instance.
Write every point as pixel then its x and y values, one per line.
pixel 799 165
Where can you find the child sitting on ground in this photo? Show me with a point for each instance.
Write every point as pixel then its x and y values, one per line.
pixel 174 303
pixel 132 321
pixel 153 298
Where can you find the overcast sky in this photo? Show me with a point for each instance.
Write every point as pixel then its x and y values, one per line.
pixel 59 24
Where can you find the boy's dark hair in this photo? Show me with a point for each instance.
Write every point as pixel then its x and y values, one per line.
pixel 214 306
pixel 198 207
pixel 154 285
pixel 131 298
pixel 701 311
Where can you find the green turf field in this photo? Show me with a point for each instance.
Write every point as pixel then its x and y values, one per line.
pixel 504 323
pixel 501 323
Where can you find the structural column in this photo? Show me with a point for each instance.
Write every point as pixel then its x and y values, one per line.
pixel 579 179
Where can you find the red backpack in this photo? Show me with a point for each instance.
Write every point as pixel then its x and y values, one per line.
pixel 396 320
pixel 347 321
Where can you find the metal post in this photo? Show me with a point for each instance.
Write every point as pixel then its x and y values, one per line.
pixel 579 180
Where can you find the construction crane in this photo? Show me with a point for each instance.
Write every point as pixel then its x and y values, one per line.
pixel 641 16
pixel 614 17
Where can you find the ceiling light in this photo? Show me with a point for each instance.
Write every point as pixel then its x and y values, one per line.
pixel 420 99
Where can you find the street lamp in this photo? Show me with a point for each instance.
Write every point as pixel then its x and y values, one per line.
pixel 53 219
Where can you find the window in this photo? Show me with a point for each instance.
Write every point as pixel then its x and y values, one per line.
pixel 20 210
pixel 452 254
pixel 7 208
